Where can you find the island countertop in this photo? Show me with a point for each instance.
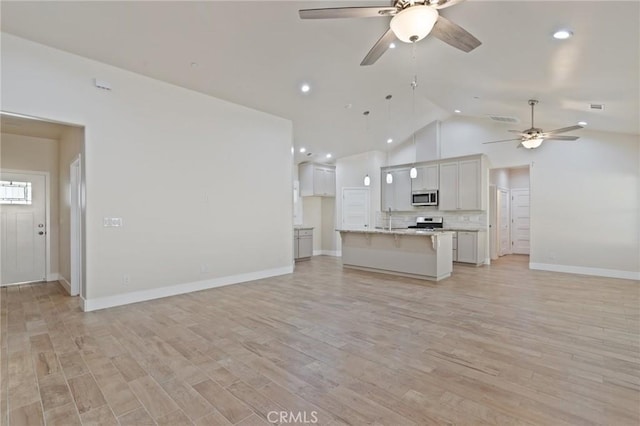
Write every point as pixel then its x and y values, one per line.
pixel 398 231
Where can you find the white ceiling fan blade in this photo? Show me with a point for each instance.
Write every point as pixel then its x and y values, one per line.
pixel 503 140
pixel 347 12
pixel 441 4
pixel 563 130
pixel 379 48
pixel 454 35
pixel 560 138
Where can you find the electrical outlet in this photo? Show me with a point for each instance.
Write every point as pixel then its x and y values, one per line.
pixel 116 222
pixel 126 279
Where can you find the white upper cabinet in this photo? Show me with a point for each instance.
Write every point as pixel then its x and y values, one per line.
pixel 462 184
pixel 427 178
pixel 317 180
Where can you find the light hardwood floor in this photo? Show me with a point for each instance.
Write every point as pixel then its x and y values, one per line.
pixel 490 345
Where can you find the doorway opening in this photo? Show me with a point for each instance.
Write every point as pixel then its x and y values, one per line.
pixel 509 211
pixel 42 202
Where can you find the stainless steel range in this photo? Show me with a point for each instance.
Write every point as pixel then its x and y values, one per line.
pixel 428 223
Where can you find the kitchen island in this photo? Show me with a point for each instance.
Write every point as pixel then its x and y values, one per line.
pixel 411 253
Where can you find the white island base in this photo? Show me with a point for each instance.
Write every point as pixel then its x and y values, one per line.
pixel 415 254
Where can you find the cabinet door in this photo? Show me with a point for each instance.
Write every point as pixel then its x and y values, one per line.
pixel 330 182
pixel 305 247
pixel 468 247
pixel 430 177
pixel 318 181
pixel 402 189
pixel 469 185
pixel 448 196
pixel 387 192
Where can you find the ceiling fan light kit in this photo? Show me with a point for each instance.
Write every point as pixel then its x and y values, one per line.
pixel 414 23
pixel 532 143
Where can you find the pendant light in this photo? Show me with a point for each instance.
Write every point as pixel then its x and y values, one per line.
pixel 413 173
pixel 389 175
pixel 367 179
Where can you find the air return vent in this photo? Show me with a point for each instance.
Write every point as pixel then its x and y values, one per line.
pixel 504 119
pixel 596 107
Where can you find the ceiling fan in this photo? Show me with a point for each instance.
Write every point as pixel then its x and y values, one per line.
pixel 533 137
pixel 412 20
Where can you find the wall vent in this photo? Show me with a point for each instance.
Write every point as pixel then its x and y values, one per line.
pixel 596 107
pixel 504 119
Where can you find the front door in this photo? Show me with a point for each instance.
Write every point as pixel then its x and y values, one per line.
pixel 23 227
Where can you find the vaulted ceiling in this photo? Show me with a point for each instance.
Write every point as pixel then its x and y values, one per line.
pixel 259 53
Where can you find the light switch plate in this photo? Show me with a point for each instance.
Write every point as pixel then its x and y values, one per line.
pixel 116 222
pixel 106 222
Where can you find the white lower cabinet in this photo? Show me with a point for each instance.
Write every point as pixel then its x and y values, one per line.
pixel 302 244
pixel 469 247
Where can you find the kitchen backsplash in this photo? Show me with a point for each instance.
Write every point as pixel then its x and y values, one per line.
pixel 468 219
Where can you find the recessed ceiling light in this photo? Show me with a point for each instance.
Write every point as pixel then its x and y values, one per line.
pixel 329 156
pixel 582 123
pixel 305 88
pixel 389 140
pixel 562 34
pixel 392 45
pixel 303 149
pixel 457 111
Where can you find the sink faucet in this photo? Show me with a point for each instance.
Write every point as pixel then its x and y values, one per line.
pixel 389 218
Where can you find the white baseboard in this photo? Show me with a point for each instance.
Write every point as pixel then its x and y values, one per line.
pixel 66 284
pixel 327 253
pixel 600 272
pixel 174 290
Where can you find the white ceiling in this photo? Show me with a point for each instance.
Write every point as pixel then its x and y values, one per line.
pixel 259 53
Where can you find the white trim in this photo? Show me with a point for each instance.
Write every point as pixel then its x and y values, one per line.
pixel 65 284
pixel 157 293
pixel 582 270
pixel 75 226
pixel 47 214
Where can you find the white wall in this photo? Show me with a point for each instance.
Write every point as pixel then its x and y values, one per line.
pixel 572 185
pixel 185 171
pixel 36 154
pixel 519 177
pixel 70 146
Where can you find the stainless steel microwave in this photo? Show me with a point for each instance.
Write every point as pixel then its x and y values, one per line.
pixel 425 198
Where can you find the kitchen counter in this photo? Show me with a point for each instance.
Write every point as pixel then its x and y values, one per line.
pixel 302 227
pixel 414 253
pixel 455 229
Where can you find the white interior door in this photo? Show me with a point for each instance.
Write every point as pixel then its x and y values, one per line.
pixel 493 222
pixel 355 208
pixel 23 227
pixel 520 221
pixel 504 238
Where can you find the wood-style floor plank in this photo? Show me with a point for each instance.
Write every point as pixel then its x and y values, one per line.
pixel 495 345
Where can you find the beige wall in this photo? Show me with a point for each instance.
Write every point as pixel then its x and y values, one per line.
pixel 312 216
pixel 184 171
pixel 70 145
pixel 328 225
pixel 36 154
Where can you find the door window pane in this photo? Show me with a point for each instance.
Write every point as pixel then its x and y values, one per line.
pixel 12 192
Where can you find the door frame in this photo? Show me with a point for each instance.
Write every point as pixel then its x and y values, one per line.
pixel 509 220
pixel 49 276
pixel 75 226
